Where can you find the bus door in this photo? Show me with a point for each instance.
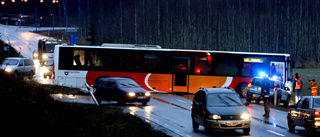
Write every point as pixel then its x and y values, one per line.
pixel 181 74
pixel 278 69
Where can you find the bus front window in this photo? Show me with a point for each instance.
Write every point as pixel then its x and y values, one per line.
pixel 49 48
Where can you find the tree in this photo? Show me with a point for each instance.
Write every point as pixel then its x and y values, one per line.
pixel 92 34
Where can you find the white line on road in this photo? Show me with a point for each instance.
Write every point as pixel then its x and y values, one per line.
pixel 182 101
pixel 273 132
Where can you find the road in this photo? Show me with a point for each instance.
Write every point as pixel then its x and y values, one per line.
pixel 171 114
pixel 167 112
pixel 25 42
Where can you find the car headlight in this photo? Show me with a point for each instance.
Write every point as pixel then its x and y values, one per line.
pixel 44 56
pixel 215 117
pixel 245 116
pixel 131 94
pixel 35 55
pixel 8 70
pixel 147 94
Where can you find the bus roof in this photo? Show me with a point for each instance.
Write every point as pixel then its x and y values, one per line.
pixel 180 50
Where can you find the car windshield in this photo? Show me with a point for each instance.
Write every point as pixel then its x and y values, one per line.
pixel 258 82
pixel 224 100
pixel 10 62
pixel 316 102
pixel 127 83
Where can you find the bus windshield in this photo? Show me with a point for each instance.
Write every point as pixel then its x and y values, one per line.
pixel 48 48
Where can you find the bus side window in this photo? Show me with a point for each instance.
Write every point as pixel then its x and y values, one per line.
pixel 202 66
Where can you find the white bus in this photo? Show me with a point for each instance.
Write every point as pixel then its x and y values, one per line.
pixel 167 70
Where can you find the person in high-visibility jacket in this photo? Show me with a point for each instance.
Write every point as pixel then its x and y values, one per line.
pixel 314 87
pixel 297 86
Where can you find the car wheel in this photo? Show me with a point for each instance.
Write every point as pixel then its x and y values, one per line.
pixel 257 101
pixel 291 125
pixel 207 128
pixel 246 131
pixel 195 125
pixel 31 75
pixel 144 103
pixel 16 74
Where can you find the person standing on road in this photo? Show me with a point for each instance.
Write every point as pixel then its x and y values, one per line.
pixel 314 87
pixel 297 86
pixel 265 95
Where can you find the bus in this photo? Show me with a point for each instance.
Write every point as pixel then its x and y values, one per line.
pixel 45 50
pixel 166 70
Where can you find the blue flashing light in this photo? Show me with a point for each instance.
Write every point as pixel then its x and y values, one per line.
pixel 262 74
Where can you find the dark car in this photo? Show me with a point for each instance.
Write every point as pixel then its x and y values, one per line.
pixel 120 89
pixel 254 91
pixel 305 113
pixel 219 108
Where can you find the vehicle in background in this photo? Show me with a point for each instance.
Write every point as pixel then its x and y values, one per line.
pixel 45 50
pixel 305 113
pixel 121 90
pixel 254 91
pixel 165 70
pixel 18 66
pixel 219 108
pixel 47 69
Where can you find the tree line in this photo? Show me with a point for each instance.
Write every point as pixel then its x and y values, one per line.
pixel 273 26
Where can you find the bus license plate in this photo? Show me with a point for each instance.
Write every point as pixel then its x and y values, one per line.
pixel 141 97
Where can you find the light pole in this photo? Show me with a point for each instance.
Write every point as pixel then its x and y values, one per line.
pixel 53 2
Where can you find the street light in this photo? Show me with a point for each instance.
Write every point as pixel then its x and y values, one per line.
pixel 2 2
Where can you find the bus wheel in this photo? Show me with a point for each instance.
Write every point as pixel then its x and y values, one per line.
pixel 242 90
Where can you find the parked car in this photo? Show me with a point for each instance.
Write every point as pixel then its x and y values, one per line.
pixel 47 69
pixel 219 108
pixel 305 113
pixel 254 91
pixel 18 66
pixel 120 89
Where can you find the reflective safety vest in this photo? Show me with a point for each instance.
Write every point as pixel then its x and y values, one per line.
pixel 298 83
pixel 314 88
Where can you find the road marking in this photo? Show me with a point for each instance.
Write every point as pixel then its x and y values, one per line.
pixel 273 132
pixel 182 101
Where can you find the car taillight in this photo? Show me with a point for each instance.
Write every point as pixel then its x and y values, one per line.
pixel 249 86
pixel 317 114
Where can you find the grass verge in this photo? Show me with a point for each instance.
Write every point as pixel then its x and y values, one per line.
pixel 28 109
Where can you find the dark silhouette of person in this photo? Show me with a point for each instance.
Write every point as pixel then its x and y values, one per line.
pixel 77 60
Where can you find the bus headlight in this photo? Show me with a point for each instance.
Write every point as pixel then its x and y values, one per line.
pixel 132 94
pixel 35 55
pixel 44 56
